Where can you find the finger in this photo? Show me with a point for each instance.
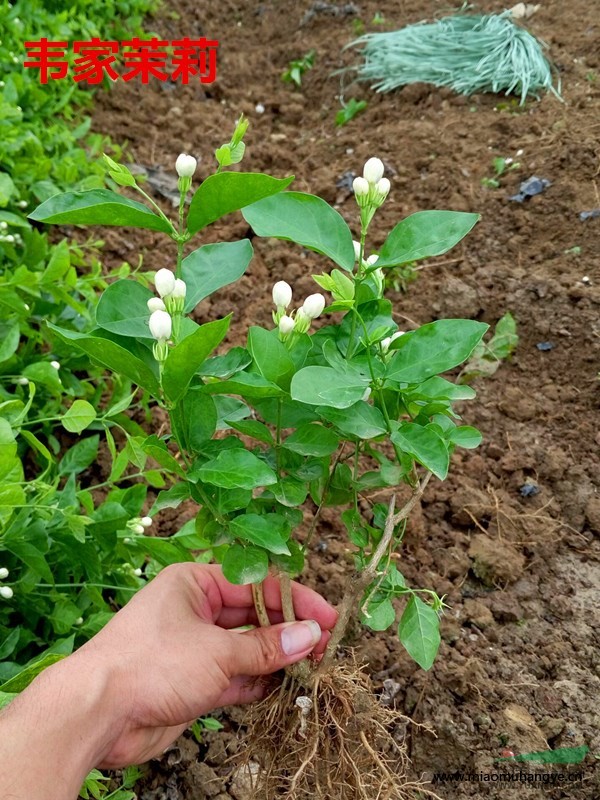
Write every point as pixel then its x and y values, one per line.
pixel 308 604
pixel 243 689
pixel 237 617
pixel 265 650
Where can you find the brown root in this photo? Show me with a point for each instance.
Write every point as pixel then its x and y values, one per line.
pixel 333 740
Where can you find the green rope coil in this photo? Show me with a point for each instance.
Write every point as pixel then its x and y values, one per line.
pixel 469 54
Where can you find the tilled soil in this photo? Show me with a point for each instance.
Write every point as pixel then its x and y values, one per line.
pixel 519 666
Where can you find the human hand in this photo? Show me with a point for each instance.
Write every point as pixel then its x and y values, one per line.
pixel 173 657
pixel 166 658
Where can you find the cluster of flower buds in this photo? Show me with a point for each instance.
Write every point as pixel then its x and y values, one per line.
pixel 171 303
pixel 372 188
pixel 9 238
pixel 138 525
pixel 185 167
pixel 5 591
pixel 298 321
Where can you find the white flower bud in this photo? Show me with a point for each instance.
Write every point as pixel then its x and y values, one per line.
pixel 360 187
pixel 164 280
pixel 137 529
pixel 282 294
pixel 10 238
pixel 156 304
pixel 146 521
pixel 373 170
pixel 367 394
pixel 356 249
pixel 372 260
pixel 382 188
pixel 185 165
pixel 3 226
pixel 127 540
pixel 313 306
pixel 78 621
pixel 6 592
pixel 160 325
pixel 385 343
pixel 22 203
pixel 286 325
pixel 179 289
pixel 22 381
pixel 55 364
pixel 3 573
pixel 137 572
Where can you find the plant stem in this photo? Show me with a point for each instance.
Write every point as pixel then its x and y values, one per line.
pixel 360 580
pixel 159 209
pixel 259 605
pixel 287 602
pixel 315 519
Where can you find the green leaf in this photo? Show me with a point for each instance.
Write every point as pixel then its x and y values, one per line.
pixel 423 235
pixel 9 339
pixel 419 632
pixel 290 492
pixel 113 356
pixel 172 498
pixel 433 348
pixel 185 359
pixel 123 309
pixel 98 207
pixel 255 429
pixel 424 445
pixel 79 416
pixel 293 564
pixel 381 614
pixel 306 220
pixel 270 356
pixel 243 565
pixel 235 469
pixel 34 442
pixel 505 338
pixel 312 440
pixel 157 449
pixel 80 456
pixel 270 531
pixel 165 551
pixel 361 420
pixel 30 555
pixel 437 388
pixel 59 263
pixel 24 678
pixel 246 384
pixel 195 418
pixel 466 436
pixel 213 266
pixel 226 365
pixel 229 191
pixel 324 386
pixel 44 374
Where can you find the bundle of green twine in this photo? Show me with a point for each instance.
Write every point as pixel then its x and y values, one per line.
pixel 468 53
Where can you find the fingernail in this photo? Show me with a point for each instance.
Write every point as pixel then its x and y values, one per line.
pixel 300 636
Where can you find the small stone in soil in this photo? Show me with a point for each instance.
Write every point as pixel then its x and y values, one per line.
pixel 529 489
pixel 345 180
pixel 544 346
pixel 585 215
pixel 530 188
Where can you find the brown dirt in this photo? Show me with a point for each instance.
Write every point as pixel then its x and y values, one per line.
pixel 519 665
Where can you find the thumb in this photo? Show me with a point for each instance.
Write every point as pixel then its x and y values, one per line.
pixel 265 650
